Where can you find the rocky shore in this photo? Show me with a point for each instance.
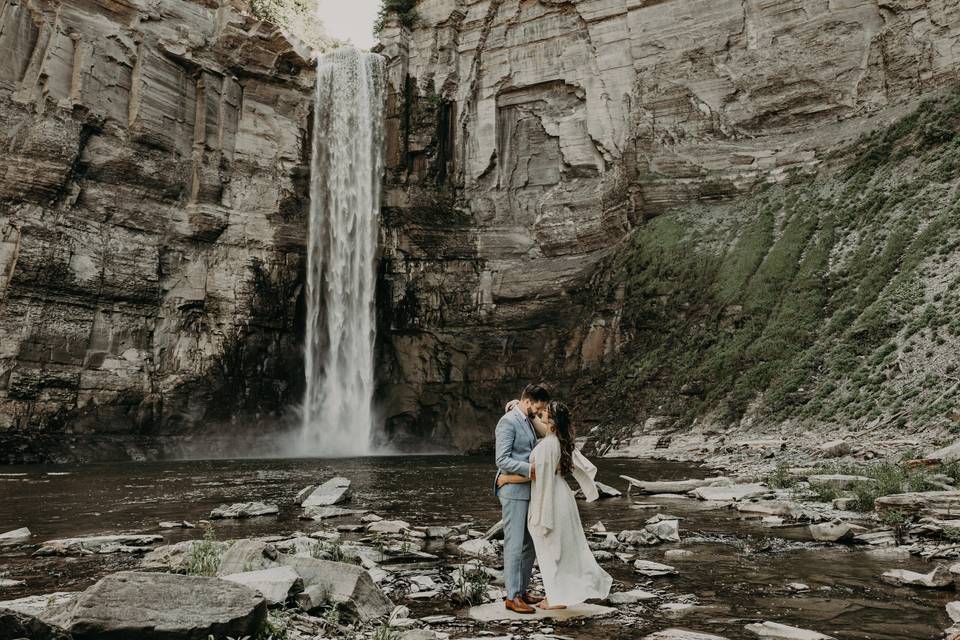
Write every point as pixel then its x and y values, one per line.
pixel 352 573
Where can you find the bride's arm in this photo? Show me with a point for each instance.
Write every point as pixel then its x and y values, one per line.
pixel 505 478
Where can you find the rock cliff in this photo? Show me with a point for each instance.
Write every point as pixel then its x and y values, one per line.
pixel 153 201
pixel 587 192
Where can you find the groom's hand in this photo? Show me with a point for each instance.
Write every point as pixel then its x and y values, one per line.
pixel 533 473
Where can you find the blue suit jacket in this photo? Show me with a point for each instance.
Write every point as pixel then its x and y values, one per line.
pixel 515 442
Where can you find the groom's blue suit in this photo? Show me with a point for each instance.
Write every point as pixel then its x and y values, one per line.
pixel 516 439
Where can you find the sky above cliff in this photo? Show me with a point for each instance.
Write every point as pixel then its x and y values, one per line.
pixel 351 21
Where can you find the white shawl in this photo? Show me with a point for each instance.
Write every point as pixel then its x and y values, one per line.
pixel 545 458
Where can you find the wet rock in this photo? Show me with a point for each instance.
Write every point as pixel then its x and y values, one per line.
pixel 16 625
pixel 798 587
pixel 303 494
pixel 677 553
pixel 953 610
pixel 631 597
pixel 161 606
pixel 606 491
pixel 653 569
pixel 388 526
pixel 38 605
pixel 681 634
pixel 331 492
pixel 837 480
pixel 602 556
pixel 836 531
pixel 370 517
pixel 597 528
pixel 176 525
pixel 420 634
pixel 665 528
pixel 834 449
pixel 667 486
pixel 244 510
pixel 883 538
pixel 731 493
pixel 436 533
pixel 124 543
pixel 777 631
pixel 336 582
pixel 275 584
pixel 8 582
pixel 16 536
pixel 174 557
pixel 478 548
pixel 326 513
pixel 633 537
pixel 248 555
pixel 676 609
pixel 769 507
pixel 939 578
pixel 495 611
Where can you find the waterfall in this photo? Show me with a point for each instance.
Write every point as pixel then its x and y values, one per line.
pixel 346 173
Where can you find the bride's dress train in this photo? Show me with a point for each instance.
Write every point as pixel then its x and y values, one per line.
pixel 570 572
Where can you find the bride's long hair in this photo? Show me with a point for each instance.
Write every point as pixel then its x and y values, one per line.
pixel 560 415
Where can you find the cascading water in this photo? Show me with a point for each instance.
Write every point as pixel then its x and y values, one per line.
pixel 344 210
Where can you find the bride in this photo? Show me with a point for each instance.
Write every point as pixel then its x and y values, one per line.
pixel 570 572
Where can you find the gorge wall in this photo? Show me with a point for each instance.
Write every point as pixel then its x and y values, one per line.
pixel 153 207
pixel 667 210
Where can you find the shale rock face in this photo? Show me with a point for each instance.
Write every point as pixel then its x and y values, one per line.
pixel 153 194
pixel 526 139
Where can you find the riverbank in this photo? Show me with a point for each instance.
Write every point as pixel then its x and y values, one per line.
pixel 744 555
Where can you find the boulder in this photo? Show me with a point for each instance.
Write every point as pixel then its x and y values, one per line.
pixel 681 634
pixel 162 606
pixel 631 597
pixel 174 557
pixel 244 510
pixel 637 537
pixel 38 605
pixel 664 530
pixel 606 491
pixel 653 569
pixel 953 610
pixel 836 531
pixel 126 543
pixel 388 526
pixel 950 453
pixel 436 533
pixel 15 625
pixel 834 449
pixel 837 480
pixel 15 537
pixel 939 578
pixel 667 486
pixel 303 494
pixel 731 493
pixel 337 582
pixel 248 555
pixel 932 503
pixel 275 584
pixel 777 631
pixel 478 548
pixel 331 492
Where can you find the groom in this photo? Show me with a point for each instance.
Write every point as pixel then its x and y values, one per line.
pixel 516 439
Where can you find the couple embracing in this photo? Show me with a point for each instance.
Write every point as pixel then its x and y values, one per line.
pixel 535 451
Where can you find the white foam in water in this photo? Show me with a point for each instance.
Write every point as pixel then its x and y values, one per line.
pixel 344 211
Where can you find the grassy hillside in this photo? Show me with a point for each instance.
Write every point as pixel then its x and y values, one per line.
pixel 832 299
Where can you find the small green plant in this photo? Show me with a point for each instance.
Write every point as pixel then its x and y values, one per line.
pixel 471 585
pixel 205 557
pixel 380 545
pixel 406 545
pixel 333 616
pixel 780 478
pixel 386 632
pixel 898 521
pixel 276 626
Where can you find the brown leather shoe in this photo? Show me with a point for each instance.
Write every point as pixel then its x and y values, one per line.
pixel 529 598
pixel 517 605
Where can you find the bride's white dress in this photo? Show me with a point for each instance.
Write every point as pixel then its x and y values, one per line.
pixel 570 572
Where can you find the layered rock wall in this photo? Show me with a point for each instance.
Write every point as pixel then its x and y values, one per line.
pixel 529 137
pixel 153 202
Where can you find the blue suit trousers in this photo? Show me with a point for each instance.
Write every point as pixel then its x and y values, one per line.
pixel 518 551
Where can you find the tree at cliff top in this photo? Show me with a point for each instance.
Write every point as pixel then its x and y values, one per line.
pixel 405 10
pixel 299 17
pixel 831 299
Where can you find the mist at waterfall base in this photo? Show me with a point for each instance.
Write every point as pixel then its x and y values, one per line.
pixel 337 414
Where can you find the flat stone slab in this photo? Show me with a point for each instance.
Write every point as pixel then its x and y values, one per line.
pixel 36 605
pixel 244 510
pixel 668 486
pixel 731 493
pixel 325 513
pixel 127 543
pixel 495 611
pixel 331 492
pixel 776 631
pixel 15 537
pixel 837 480
pixel 681 634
